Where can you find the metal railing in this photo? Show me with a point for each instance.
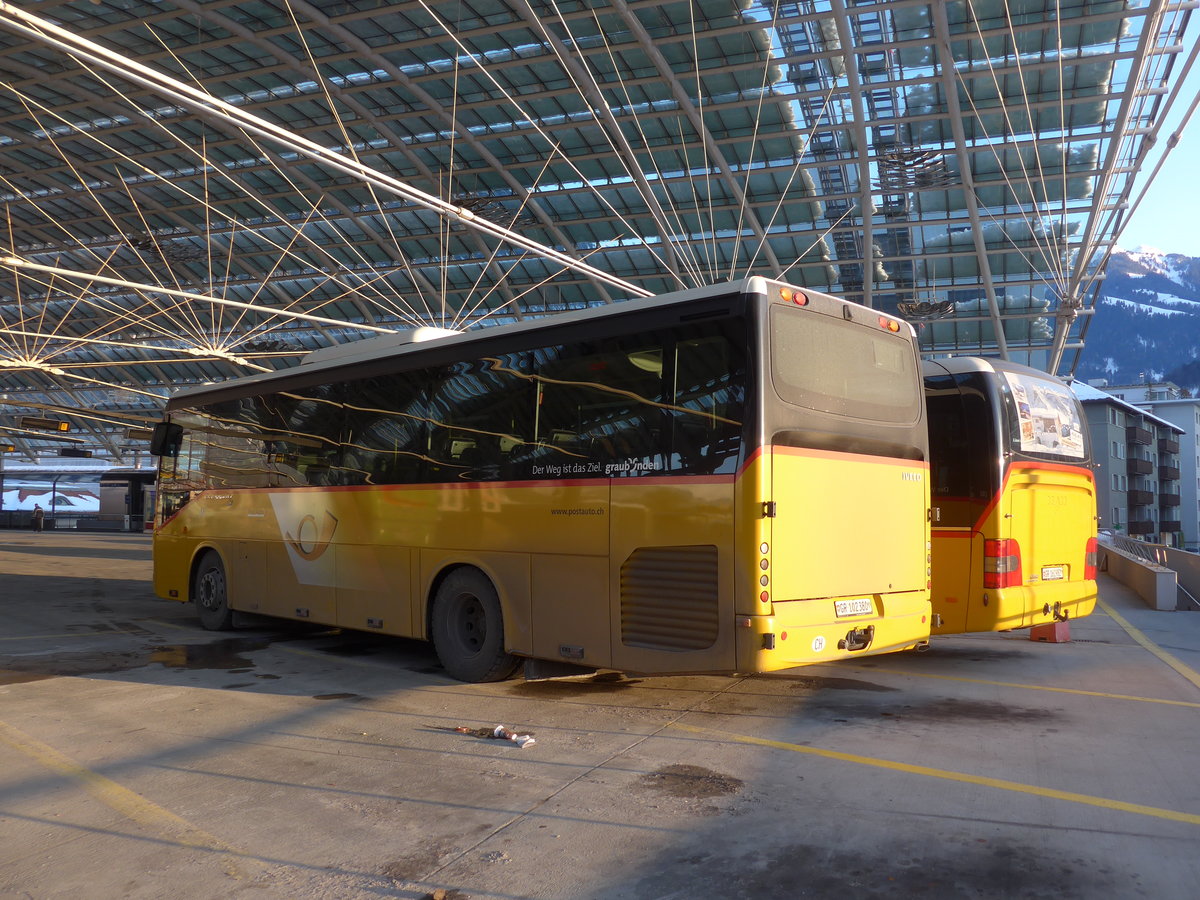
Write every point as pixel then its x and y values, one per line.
pixel 1155 554
pixel 1143 550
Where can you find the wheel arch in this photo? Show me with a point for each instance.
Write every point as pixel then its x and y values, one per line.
pixel 194 565
pixel 509 574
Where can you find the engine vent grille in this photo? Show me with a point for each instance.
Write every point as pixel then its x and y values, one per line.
pixel 669 598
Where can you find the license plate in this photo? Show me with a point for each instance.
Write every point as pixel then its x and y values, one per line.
pixel 1052 573
pixel 859 606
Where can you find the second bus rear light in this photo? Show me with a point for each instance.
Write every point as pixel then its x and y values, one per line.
pixel 1001 564
pixel 1090 559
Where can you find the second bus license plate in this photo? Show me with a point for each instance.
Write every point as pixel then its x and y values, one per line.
pixel 859 606
pixel 1052 573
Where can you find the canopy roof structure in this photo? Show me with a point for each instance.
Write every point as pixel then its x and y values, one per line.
pixel 200 189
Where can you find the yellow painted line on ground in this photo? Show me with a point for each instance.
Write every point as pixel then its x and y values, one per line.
pixel 1039 687
pixel 947 775
pixel 1182 668
pixel 126 802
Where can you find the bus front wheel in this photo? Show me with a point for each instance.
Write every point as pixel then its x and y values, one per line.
pixel 210 591
pixel 467 626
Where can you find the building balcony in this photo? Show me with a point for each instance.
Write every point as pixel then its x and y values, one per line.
pixel 1135 435
pixel 1166 500
pixel 1167 525
pixel 1139 466
pixel 1168 445
pixel 1141 526
pixel 1168 473
pixel 1140 498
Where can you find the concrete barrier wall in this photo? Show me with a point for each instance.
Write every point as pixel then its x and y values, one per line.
pixel 1187 566
pixel 1154 584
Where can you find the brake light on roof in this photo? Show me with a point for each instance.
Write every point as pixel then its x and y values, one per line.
pixel 799 298
pixel 1001 563
pixel 1090 558
pixel 889 324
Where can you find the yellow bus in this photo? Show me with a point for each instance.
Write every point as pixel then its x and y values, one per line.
pixel 1014 497
pixel 727 479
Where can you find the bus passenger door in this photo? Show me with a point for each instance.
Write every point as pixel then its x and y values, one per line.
pixel 246 585
pixel 301 570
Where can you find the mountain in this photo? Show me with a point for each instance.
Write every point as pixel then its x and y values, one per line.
pixel 1147 321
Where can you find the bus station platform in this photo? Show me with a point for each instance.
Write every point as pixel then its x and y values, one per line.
pixel 143 757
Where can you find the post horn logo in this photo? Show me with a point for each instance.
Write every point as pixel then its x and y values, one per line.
pixel 310 541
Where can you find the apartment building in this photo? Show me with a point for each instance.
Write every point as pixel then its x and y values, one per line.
pixel 1139 481
pixel 1170 402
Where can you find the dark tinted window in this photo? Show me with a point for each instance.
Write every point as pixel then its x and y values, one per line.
pixel 385 433
pixel 599 410
pixel 645 404
pixel 708 399
pixel 964 465
pixel 481 416
pixel 303 437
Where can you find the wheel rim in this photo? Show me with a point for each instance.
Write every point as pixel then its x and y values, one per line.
pixel 211 589
pixel 469 623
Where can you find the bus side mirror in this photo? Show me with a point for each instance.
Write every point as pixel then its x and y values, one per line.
pixel 166 439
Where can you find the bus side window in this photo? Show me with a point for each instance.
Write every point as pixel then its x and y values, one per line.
pixel 599 409
pixel 384 439
pixel 706 411
pixel 305 436
pixel 480 415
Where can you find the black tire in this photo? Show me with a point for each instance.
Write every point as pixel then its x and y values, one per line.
pixel 467 627
pixel 210 592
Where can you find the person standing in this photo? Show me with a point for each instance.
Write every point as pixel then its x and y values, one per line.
pixel 39 517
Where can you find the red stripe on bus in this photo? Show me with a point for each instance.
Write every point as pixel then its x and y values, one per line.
pixel 1029 466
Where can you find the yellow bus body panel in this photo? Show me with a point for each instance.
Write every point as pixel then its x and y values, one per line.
pixel 648 574
pixel 1050 511
pixel 847 528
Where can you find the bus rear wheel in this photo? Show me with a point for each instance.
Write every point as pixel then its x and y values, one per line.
pixel 210 592
pixel 467 626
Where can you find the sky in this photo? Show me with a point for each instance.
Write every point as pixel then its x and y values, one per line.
pixel 1167 217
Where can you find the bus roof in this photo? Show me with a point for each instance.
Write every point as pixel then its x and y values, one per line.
pixel 956 364
pixel 361 355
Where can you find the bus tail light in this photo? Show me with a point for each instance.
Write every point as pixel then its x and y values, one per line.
pixel 1090 558
pixel 1001 564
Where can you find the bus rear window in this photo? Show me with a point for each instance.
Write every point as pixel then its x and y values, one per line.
pixel 1043 417
pixel 843 367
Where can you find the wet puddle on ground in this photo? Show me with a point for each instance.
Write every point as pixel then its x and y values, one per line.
pixel 224 654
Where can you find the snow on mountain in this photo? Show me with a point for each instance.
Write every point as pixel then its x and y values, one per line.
pixel 1147 320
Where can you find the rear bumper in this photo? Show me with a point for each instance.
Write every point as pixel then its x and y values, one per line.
pixel 805 632
pixel 1024 607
